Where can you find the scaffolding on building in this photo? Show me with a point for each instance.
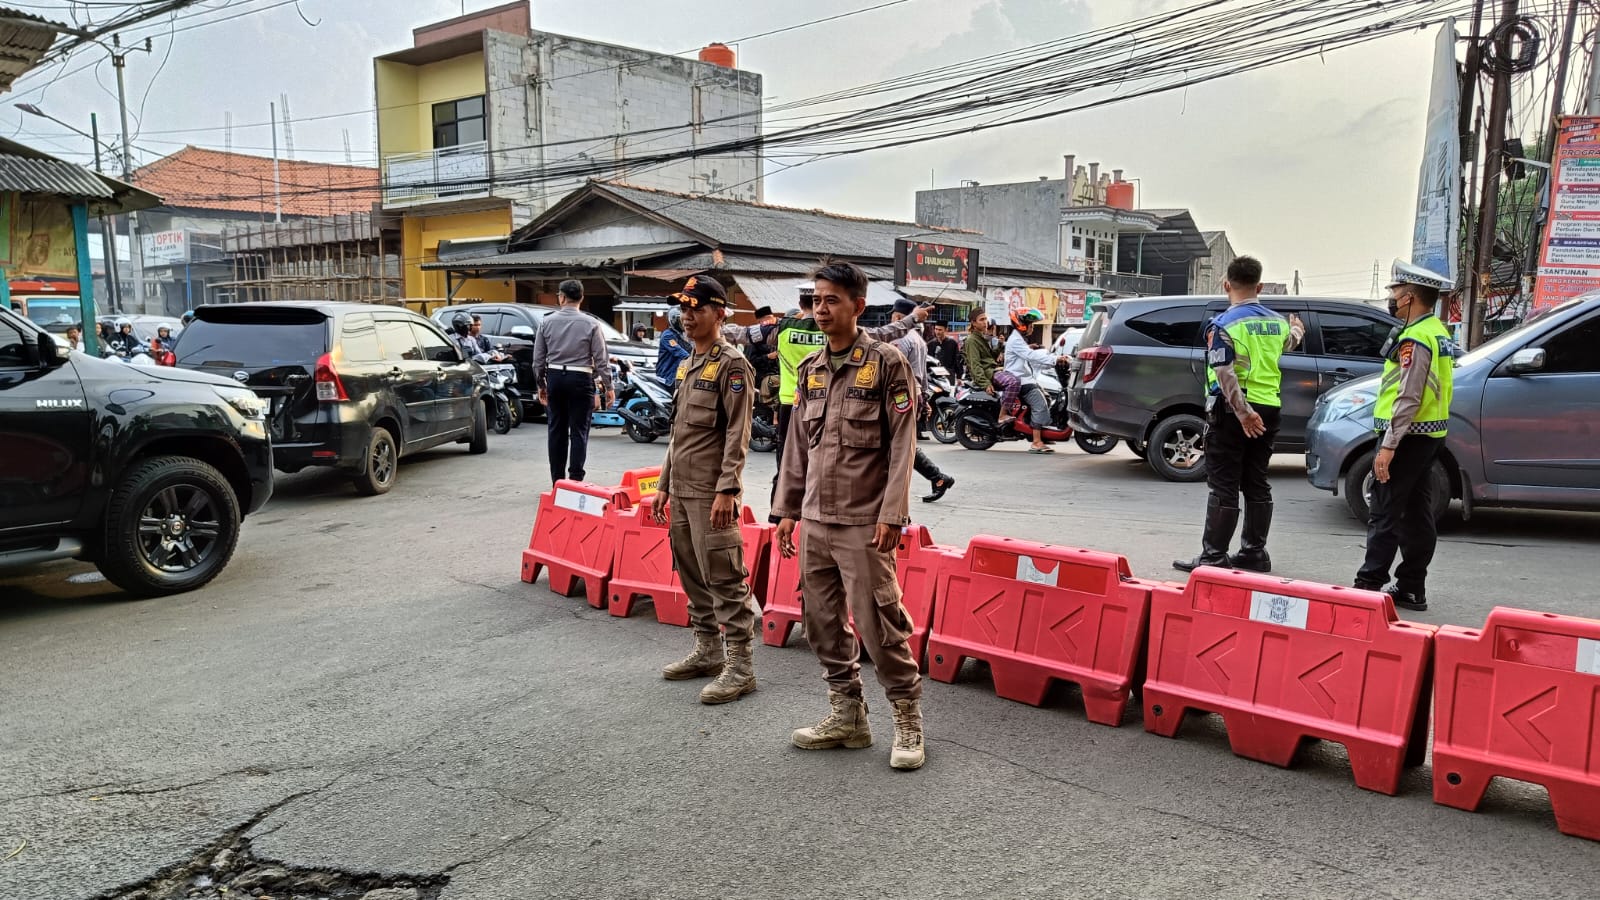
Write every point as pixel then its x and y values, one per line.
pixel 351 257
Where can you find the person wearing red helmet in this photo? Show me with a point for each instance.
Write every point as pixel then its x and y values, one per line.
pixel 1023 361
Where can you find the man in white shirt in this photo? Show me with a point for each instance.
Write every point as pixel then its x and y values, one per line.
pixel 1023 361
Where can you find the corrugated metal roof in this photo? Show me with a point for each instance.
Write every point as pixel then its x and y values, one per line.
pixel 578 257
pixel 50 176
pixel 23 39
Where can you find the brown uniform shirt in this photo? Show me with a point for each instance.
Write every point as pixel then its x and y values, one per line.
pixel 848 455
pixel 710 425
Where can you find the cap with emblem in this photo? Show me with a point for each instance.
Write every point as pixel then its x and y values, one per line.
pixel 905 307
pixel 702 290
pixel 1407 273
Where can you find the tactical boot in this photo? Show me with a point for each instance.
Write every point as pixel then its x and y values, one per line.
pixel 941 484
pixel 706 659
pixel 737 679
pixel 1252 553
pixel 845 726
pixel 1220 524
pixel 907 752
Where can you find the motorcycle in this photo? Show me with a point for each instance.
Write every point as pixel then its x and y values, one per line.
pixel 978 426
pixel 944 404
pixel 506 409
pixel 644 403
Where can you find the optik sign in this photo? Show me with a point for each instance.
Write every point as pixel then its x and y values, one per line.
pixel 935 267
pixel 165 247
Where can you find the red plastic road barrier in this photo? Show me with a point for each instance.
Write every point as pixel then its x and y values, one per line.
pixel 642 566
pixel 640 483
pixel 574 536
pixel 1520 699
pixel 1284 660
pixel 918 561
pixel 1039 612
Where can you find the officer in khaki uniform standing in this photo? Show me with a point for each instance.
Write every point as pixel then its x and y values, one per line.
pixel 847 471
pixel 702 480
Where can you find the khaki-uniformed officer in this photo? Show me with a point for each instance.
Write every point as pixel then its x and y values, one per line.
pixel 847 472
pixel 1412 417
pixel 702 479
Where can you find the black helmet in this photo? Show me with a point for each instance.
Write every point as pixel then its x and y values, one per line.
pixel 461 323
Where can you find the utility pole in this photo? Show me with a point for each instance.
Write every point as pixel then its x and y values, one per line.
pixel 1489 199
pixel 1297 281
pixel 108 238
pixel 135 251
pixel 277 192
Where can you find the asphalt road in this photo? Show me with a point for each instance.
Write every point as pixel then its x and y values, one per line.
pixel 371 684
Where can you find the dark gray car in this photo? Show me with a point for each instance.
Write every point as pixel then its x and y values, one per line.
pixel 1140 373
pixel 1524 422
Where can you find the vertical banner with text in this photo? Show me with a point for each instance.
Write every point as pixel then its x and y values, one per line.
pixel 1569 262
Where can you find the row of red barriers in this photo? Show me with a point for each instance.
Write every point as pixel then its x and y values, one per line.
pixel 1281 661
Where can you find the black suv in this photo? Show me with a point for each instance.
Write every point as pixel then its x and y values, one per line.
pixel 350 385
pixel 1140 374
pixel 145 471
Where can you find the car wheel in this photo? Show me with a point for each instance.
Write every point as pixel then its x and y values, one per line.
pixel 1176 450
pixel 383 464
pixel 519 412
pixel 171 526
pixel 945 420
pixel 1358 482
pixel 480 432
pixel 1094 444
pixel 1139 448
pixel 971 438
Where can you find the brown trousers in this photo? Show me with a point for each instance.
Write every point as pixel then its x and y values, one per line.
pixel 711 567
pixel 842 575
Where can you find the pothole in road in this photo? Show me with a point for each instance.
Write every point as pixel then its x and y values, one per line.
pixel 227 870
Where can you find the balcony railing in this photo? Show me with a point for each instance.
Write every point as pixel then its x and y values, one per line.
pixel 1128 283
pixel 449 173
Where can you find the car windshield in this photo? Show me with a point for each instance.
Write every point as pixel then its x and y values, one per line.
pixel 54 313
pixel 1489 348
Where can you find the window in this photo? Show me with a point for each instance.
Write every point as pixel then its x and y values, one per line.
pixel 1175 326
pixel 359 340
pixel 1575 349
pixel 493 323
pixel 254 341
pixel 399 344
pixel 434 347
pixel 1351 334
pixel 1077 242
pixel 13 347
pixel 457 122
pixel 1107 251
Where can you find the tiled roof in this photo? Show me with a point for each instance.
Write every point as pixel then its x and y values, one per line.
pixel 197 178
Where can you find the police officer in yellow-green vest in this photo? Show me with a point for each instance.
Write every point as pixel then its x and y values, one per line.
pixel 1243 344
pixel 1412 417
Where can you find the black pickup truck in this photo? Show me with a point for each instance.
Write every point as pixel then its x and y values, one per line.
pixel 146 472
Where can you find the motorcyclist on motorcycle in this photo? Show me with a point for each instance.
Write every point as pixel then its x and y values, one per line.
pixel 1024 362
pixel 672 349
pixel 164 338
pixel 461 333
pixel 188 316
pixel 124 343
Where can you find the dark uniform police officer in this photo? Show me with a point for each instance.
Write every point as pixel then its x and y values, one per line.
pixel 1412 417
pixel 847 472
pixel 701 482
pixel 1243 344
pixel 570 361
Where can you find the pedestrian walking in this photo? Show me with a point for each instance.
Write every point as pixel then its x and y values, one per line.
pixel 1243 344
pixel 847 473
pixel 1412 417
pixel 702 480
pixel 570 364
pixel 916 354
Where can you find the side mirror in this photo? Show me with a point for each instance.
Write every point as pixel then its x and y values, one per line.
pixel 1528 359
pixel 50 354
pixel 522 331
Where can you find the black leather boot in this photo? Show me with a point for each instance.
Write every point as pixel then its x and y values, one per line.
pixel 1221 522
pixel 927 469
pixel 1252 554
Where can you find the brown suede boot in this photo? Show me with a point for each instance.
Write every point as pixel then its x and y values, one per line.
pixel 705 659
pixel 737 679
pixel 907 752
pixel 845 726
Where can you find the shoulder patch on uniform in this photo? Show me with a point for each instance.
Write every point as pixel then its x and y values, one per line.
pixel 858 354
pixel 868 375
pixel 1407 348
pixel 716 351
pixel 736 381
pixel 900 397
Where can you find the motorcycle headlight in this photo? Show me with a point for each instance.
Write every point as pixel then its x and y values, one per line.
pixel 1351 403
pixel 245 401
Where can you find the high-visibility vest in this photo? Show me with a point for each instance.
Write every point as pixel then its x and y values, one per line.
pixel 1259 336
pixel 1433 417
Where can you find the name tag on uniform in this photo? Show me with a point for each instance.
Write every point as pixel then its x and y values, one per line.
pixel 858 393
pixel 701 384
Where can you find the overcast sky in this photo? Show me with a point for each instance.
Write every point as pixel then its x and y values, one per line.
pixel 1310 165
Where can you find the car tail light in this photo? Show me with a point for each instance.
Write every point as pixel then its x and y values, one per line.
pixel 1094 359
pixel 329 387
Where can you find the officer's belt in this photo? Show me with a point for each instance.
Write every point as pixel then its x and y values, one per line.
pixel 587 370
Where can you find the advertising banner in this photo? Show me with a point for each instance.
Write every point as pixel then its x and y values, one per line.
pixel 933 267
pixel 1436 239
pixel 1569 262
pixel 43 244
pixel 165 247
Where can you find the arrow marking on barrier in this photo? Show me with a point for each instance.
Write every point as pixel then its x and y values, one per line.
pixel 1211 660
pixel 1314 679
pixel 1063 629
pixel 1521 718
pixel 984 614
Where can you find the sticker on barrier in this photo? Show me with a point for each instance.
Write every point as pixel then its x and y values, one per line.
pixel 640 483
pixel 1038 613
pixel 643 570
pixel 574 536
pixel 1520 699
pixel 1283 661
